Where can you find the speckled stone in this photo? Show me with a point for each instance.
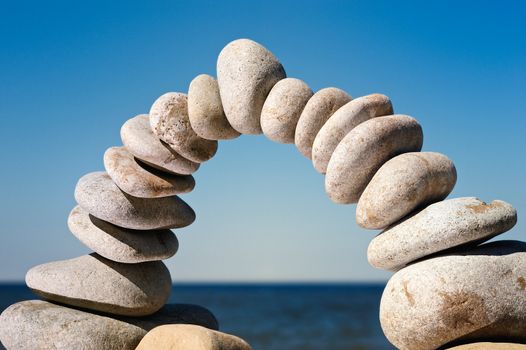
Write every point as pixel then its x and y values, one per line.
pixel 246 72
pixel 139 139
pixel 364 150
pixel 97 194
pixel 36 324
pixel 440 226
pixel 317 111
pixel 403 184
pixel 469 295
pixel 170 122
pixel 205 110
pixel 489 346
pixel 282 109
pixel 96 283
pixel 120 244
pixel 342 122
pixel 140 180
pixel 190 337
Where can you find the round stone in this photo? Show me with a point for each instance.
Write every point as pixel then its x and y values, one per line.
pixel 98 195
pixel 489 346
pixel 246 72
pixel 320 107
pixel 139 139
pixel 364 150
pixel 141 180
pixel 96 283
pixel 282 109
pixel 403 184
pixel 342 122
pixel 472 295
pixel 205 110
pixel 443 225
pixel 120 244
pixel 170 122
pixel 36 324
pixel 190 337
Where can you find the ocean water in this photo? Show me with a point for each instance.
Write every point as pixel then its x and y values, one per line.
pixel 272 317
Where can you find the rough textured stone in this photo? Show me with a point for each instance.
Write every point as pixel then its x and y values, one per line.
pixel 317 111
pixel 121 244
pixel 364 150
pixel 36 324
pixel 205 110
pixel 282 109
pixel 246 72
pixel 170 122
pixel 342 122
pixel 403 184
pixel 139 139
pixel 190 337
pixel 440 226
pixel 96 283
pixel 97 194
pixel 469 295
pixel 140 180
pixel 489 346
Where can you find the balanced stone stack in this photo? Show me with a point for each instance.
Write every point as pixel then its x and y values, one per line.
pixel 447 289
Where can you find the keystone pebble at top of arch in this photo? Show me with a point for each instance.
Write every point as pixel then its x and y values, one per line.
pixel 447 290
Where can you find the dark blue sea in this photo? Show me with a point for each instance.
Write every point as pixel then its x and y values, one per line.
pixel 280 317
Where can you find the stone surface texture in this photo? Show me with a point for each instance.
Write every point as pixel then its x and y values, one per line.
pixel 205 110
pixel 96 283
pixel 98 195
pixel 317 111
pixel 364 150
pixel 282 109
pixel 489 346
pixel 469 295
pixel 246 72
pixel 403 184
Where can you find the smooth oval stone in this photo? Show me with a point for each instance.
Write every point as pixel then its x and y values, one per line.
pixel 403 184
pixel 471 295
pixel 282 109
pixel 190 337
pixel 342 122
pixel 440 226
pixel 205 110
pixel 36 324
pixel 97 194
pixel 364 150
pixel 246 72
pixel 489 346
pixel 139 139
pixel 96 283
pixel 140 180
pixel 170 122
pixel 121 244
pixel 317 111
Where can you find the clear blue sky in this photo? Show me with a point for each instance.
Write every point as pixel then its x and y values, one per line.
pixel 72 73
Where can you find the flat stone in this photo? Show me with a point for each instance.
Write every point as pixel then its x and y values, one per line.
pixel 440 226
pixel 190 337
pixel 405 183
pixel 317 111
pixel 139 139
pixel 121 244
pixel 465 296
pixel 282 109
pixel 141 180
pixel 205 110
pixel 96 283
pixel 98 195
pixel 489 346
pixel 246 72
pixel 170 122
pixel 36 324
pixel 364 150
pixel 342 122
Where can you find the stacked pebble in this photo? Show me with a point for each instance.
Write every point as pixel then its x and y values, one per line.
pixel 447 288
